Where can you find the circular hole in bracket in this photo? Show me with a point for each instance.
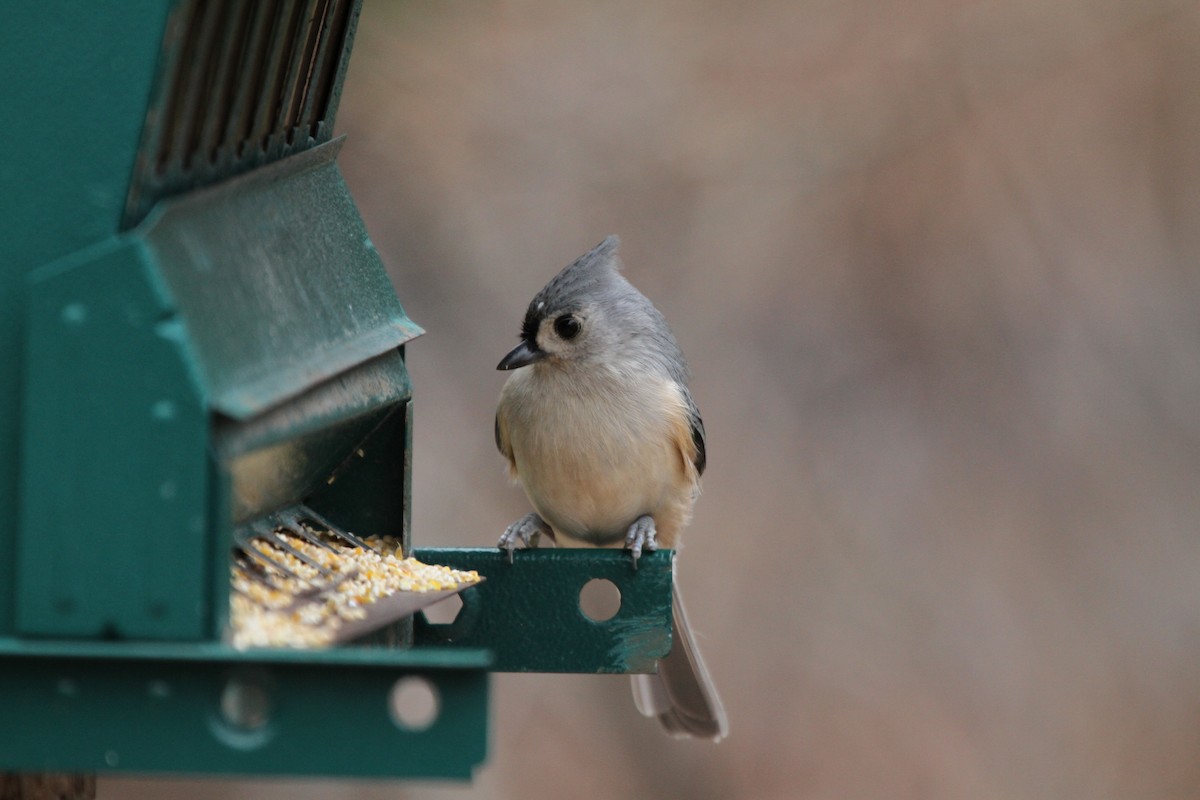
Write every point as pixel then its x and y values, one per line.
pixel 445 611
pixel 242 718
pixel 245 703
pixel 599 599
pixel 414 703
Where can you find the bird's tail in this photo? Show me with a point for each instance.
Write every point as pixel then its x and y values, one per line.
pixel 681 694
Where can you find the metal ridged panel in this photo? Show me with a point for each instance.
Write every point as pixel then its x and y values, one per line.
pixel 239 85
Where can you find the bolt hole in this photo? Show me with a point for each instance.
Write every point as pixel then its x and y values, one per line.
pixel 444 612
pixel 75 313
pixel 245 704
pixel 599 599
pixel 414 703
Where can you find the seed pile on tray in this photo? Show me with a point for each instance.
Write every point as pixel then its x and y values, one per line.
pixel 307 609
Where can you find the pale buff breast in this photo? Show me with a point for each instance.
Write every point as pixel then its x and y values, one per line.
pixel 594 457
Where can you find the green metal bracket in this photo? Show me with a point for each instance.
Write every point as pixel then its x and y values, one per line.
pixel 105 706
pixel 527 612
pixel 149 708
pixel 114 470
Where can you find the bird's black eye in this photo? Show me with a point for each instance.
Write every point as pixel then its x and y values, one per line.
pixel 567 326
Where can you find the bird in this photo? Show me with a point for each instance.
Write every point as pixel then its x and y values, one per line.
pixel 599 428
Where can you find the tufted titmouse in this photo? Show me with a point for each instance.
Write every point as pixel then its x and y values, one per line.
pixel 601 431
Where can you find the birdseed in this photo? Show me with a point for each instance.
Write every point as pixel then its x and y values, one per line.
pixel 269 608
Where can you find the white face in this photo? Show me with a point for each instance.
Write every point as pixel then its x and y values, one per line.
pixel 565 334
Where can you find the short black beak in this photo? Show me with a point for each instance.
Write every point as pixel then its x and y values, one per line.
pixel 522 355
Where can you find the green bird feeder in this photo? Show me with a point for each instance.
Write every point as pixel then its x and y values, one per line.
pixel 196 335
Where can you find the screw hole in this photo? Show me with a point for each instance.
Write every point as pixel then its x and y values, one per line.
pixel 414 703
pixel 599 599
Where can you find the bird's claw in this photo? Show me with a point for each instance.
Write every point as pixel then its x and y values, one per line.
pixel 641 537
pixel 527 530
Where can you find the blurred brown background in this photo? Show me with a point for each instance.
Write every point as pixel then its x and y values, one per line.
pixel 933 264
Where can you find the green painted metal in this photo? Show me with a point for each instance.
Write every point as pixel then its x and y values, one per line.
pixel 266 341
pixel 267 285
pixel 114 472
pixel 193 332
pixel 104 706
pixel 76 80
pixel 364 493
pixel 166 708
pixel 276 281
pixel 527 613
pixel 234 92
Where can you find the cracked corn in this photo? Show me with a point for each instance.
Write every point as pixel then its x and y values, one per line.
pixel 270 609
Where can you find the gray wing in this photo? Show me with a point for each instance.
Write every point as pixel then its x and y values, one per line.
pixel 666 353
pixel 698 436
pixel 501 441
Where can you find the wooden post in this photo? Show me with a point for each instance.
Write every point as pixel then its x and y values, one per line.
pixel 47 786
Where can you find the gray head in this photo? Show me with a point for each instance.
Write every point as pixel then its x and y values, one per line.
pixel 588 314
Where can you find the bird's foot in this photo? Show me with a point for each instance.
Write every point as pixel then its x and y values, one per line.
pixel 527 530
pixel 641 537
